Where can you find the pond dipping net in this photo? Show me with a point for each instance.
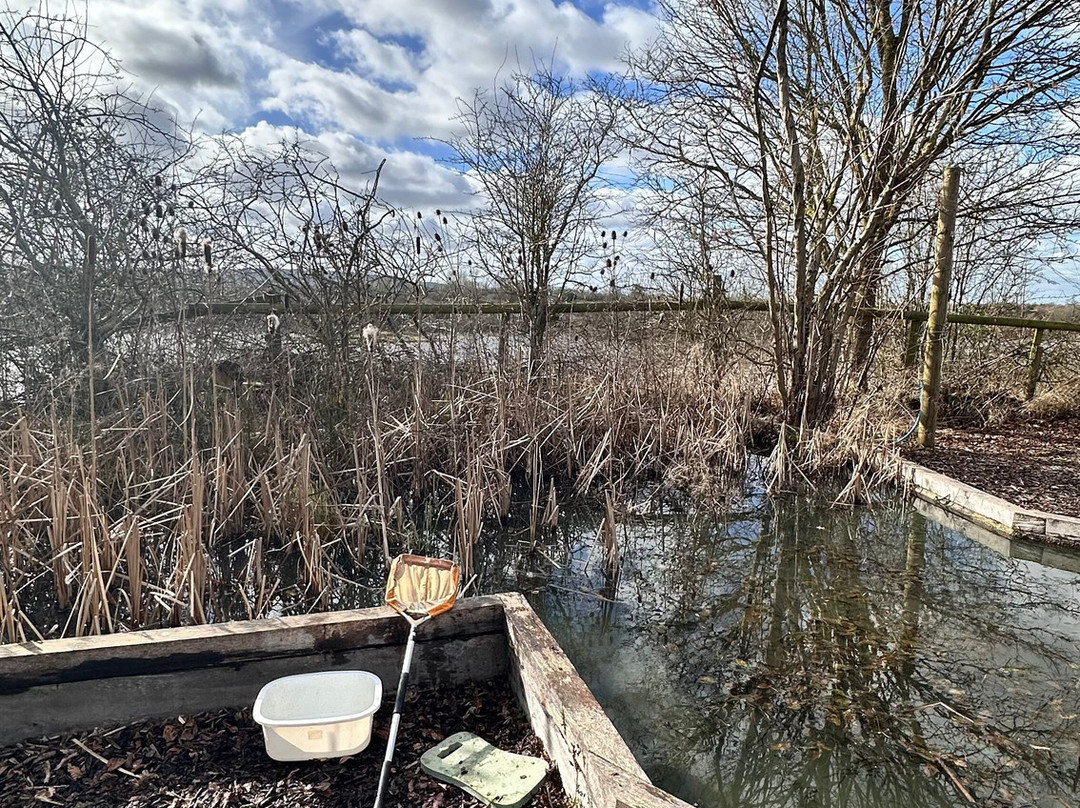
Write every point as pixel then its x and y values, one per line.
pixel 420 585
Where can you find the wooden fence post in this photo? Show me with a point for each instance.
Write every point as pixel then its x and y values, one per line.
pixel 939 304
pixel 1035 357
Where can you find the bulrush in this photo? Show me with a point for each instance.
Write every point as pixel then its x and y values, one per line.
pixel 180 240
pixel 212 500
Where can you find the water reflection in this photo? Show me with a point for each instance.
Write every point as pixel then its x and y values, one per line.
pixel 797 655
pixel 789 654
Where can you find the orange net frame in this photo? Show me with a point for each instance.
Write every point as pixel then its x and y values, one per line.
pixel 421 585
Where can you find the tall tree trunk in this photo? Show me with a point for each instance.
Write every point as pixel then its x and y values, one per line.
pixel 887 42
pixel 536 316
pixel 798 388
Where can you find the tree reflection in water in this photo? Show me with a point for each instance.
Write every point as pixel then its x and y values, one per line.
pixel 804 656
pixel 795 655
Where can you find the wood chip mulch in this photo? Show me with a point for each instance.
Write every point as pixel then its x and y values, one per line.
pixel 1035 464
pixel 217 760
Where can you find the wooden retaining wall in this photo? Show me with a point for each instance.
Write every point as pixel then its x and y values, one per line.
pixel 596 765
pixel 85 682
pixel 988 511
pixel 78 684
pixel 1058 556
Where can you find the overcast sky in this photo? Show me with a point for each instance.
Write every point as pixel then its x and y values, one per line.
pixel 363 78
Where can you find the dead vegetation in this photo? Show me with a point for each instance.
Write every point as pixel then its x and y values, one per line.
pixel 180 496
pixel 116 518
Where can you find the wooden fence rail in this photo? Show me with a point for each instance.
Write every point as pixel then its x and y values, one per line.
pixel 912 340
pixel 590 307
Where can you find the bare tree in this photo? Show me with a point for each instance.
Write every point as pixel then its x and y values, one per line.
pixel 819 121
pixel 80 159
pixel 536 145
pixel 1021 208
pixel 286 223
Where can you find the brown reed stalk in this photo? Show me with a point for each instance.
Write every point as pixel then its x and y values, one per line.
pixel 189 577
pixel 382 487
pixel 608 535
pixel 11 629
pixel 182 469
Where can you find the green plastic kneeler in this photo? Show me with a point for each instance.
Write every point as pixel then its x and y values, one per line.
pixel 497 778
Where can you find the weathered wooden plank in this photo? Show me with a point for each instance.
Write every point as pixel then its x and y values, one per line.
pixel 78 684
pixel 82 705
pixel 956 496
pixel 1063 528
pixel 596 766
pixel 1028 523
pixel 988 511
pixel 222 644
pixel 628 791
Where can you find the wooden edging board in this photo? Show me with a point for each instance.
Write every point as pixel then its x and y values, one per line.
pixel 80 683
pixel 1062 557
pixel 595 763
pixel 76 684
pixel 986 510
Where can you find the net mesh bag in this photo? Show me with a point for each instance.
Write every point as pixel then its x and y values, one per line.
pixel 421 585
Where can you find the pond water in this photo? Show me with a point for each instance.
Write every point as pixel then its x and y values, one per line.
pixel 792 654
pixel 798 655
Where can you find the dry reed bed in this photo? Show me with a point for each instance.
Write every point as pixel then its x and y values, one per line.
pixel 178 491
pixel 117 523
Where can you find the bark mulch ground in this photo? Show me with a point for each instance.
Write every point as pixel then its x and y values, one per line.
pixel 1035 464
pixel 217 760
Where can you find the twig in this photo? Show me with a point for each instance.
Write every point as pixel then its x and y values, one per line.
pixel 94 754
pixel 956 780
pixel 596 595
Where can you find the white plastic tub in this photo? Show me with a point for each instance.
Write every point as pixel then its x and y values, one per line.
pixel 318 715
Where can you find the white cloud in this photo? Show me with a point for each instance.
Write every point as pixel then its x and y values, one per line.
pixel 364 79
pixel 383 61
pixel 195 57
pixel 393 90
pixel 409 180
pixel 332 99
